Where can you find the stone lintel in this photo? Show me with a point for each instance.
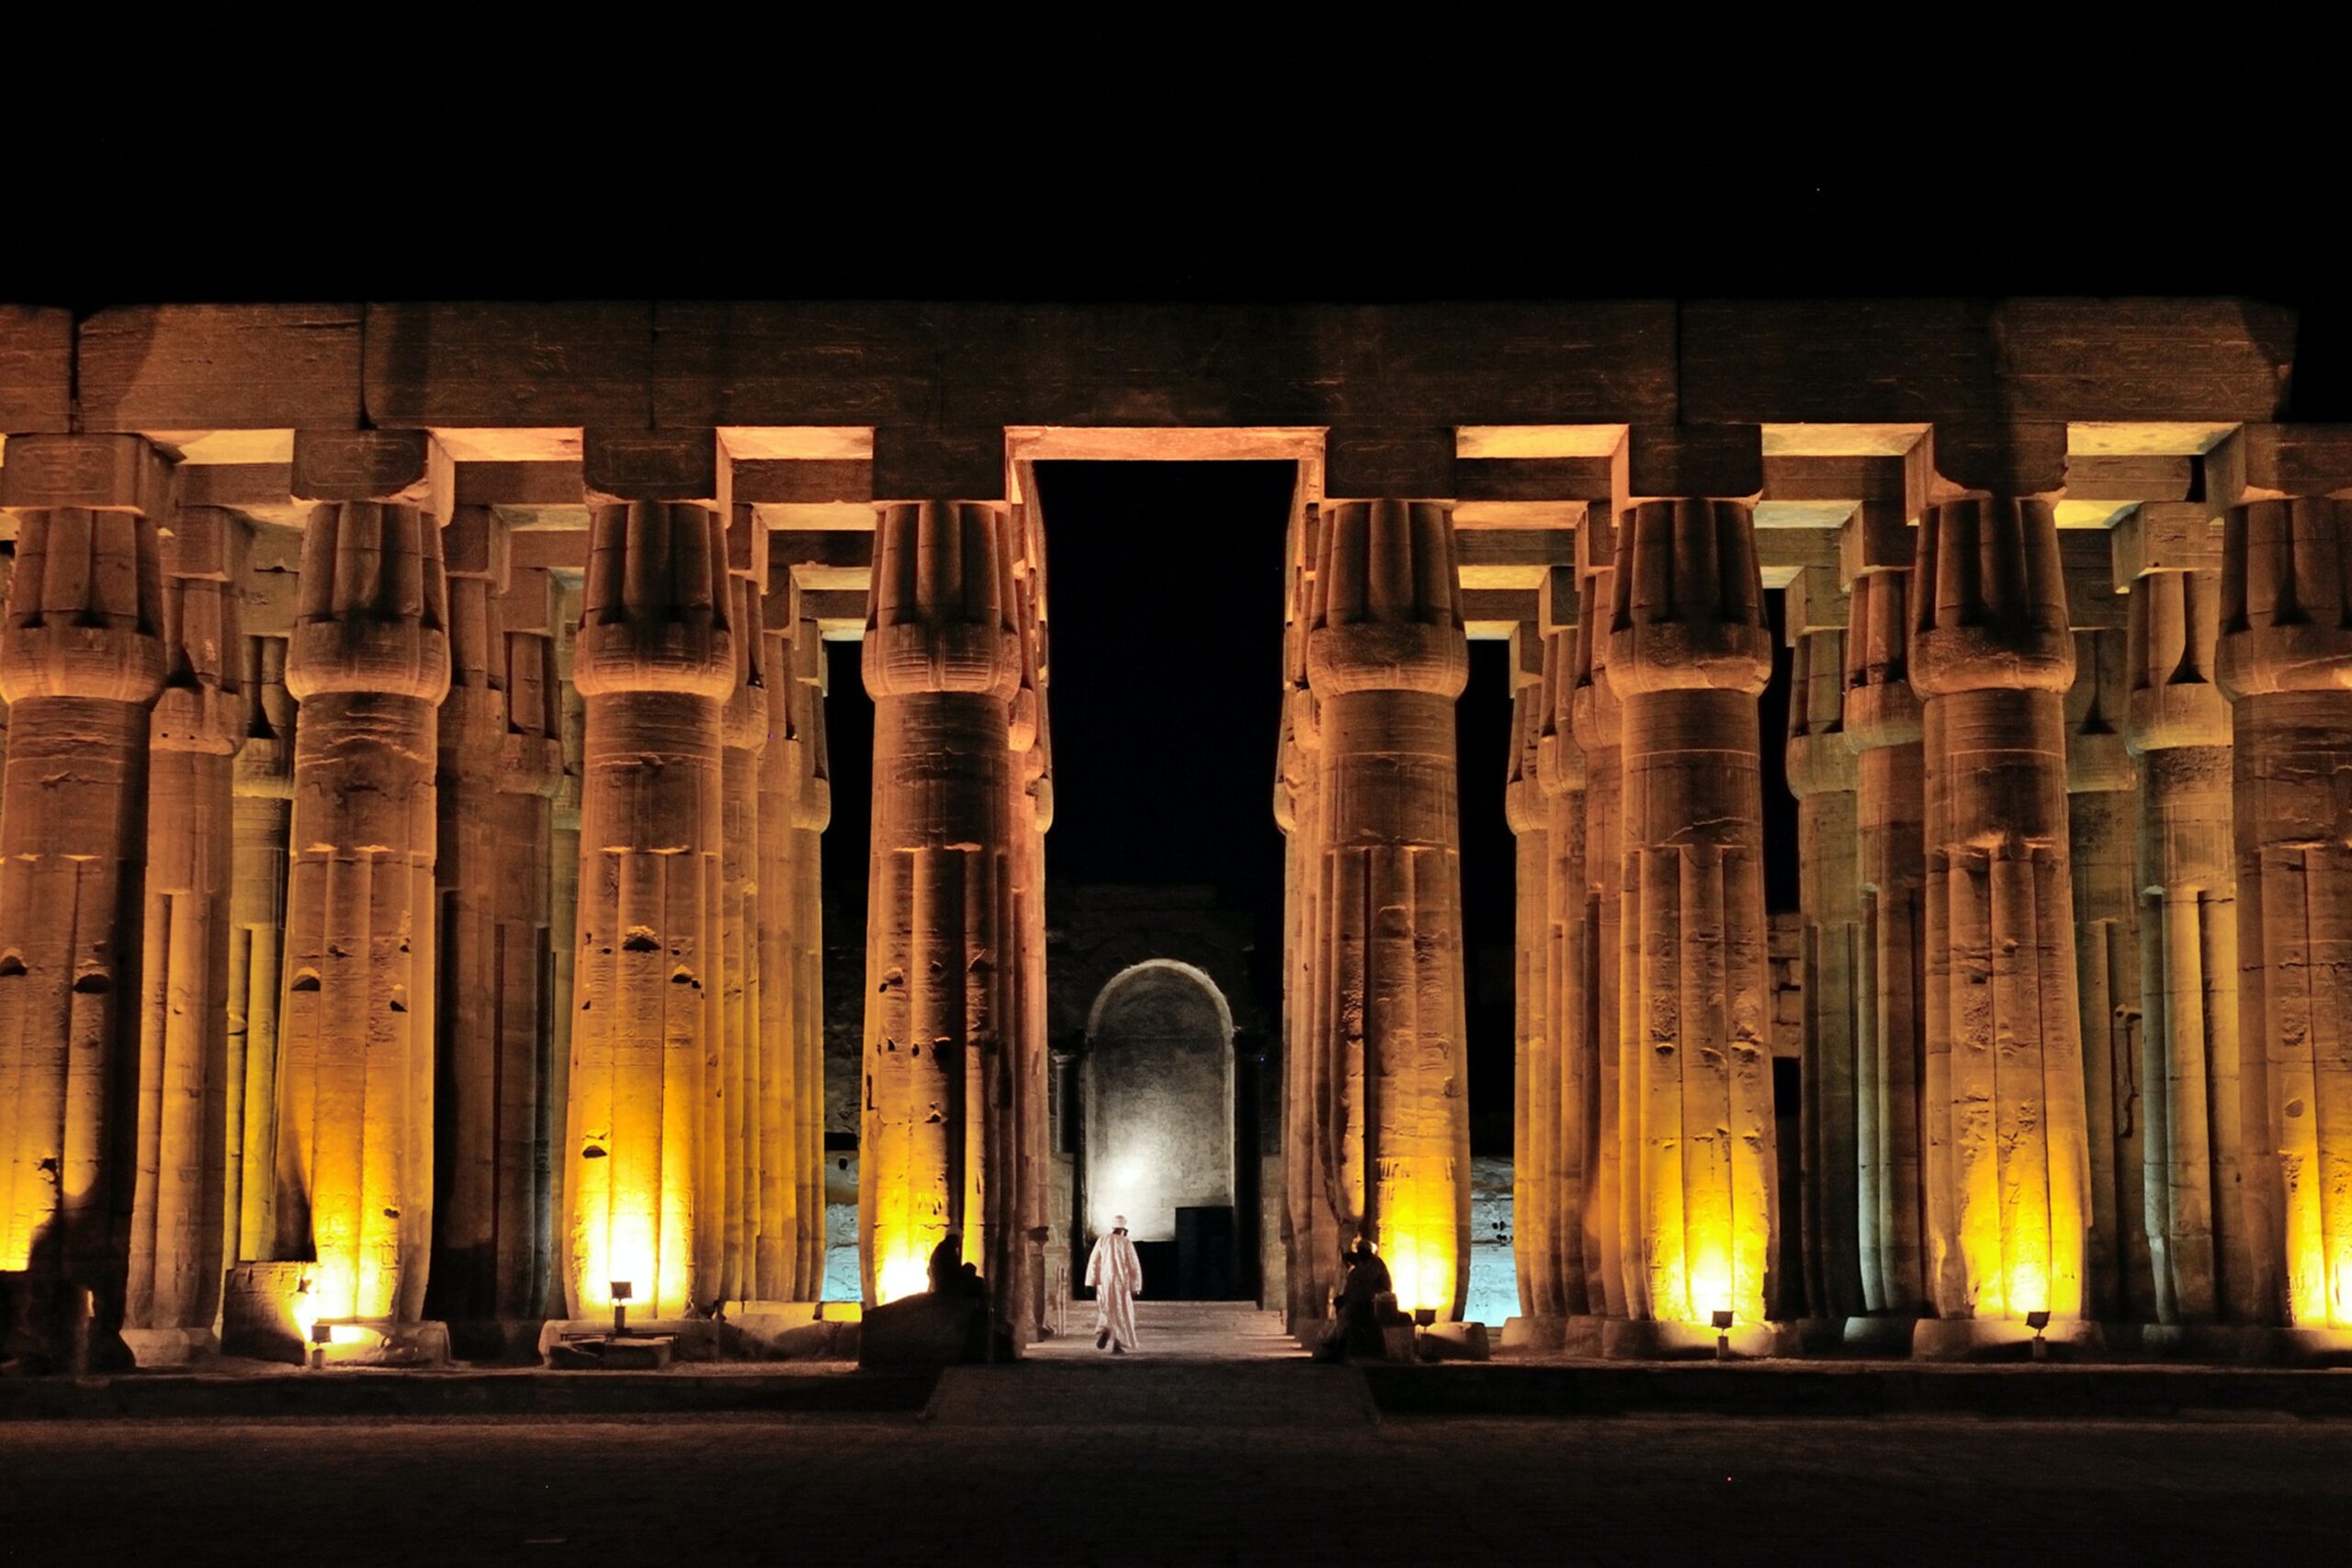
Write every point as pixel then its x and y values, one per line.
pixel 1389 463
pixel 1813 602
pixel 527 606
pixel 2155 476
pixel 1526 655
pixel 1837 477
pixel 104 473
pixel 2093 601
pixel 207 543
pixel 1724 462
pixel 2271 462
pixel 915 463
pixel 747 544
pixel 687 467
pixel 1500 482
pixel 408 466
pixel 2012 460
pixel 2166 535
pixel 1597 540
pixel 1494 611
pixel 477 544
pixel 1879 537
pixel 1557 599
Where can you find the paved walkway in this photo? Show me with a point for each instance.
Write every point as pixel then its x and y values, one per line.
pixel 1184 1331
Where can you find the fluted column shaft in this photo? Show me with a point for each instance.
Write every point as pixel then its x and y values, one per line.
pixel 1535 1105
pixel 1883 722
pixel 263 785
pixel 2006 1158
pixel 812 811
pixel 1598 723
pixel 563 924
pixel 943 663
pixel 1576 1120
pixel 1028 1216
pixel 2178 727
pixel 180 1223
pixel 1387 657
pixel 744 729
pixel 2285 659
pixel 654 660
pixel 1689 654
pixel 369 663
pixel 81 657
pixel 776 1255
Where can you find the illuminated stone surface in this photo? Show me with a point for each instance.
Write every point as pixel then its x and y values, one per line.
pixel 943 663
pixel 2284 656
pixel 563 925
pixel 258 863
pixel 1538 1185
pixel 1576 1115
pixel 745 731
pixel 1598 728
pixel 2005 1164
pixel 1688 653
pixel 812 811
pixel 82 657
pixel 1031 808
pixel 1386 659
pixel 777 1252
pixel 1883 722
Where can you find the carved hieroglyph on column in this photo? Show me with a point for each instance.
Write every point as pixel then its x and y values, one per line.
pixel 1387 659
pixel 2285 659
pixel 1597 727
pixel 1688 653
pixel 812 810
pixel 563 924
pixel 180 1221
pixel 2006 1162
pixel 1560 770
pixel 775 1260
pixel 1028 1216
pixel 1535 1109
pixel 368 661
pixel 2101 815
pixel 2177 725
pixel 654 661
pixel 745 731
pixel 81 657
pixel 498 762
pixel 1890 807
pixel 1824 775
pixel 264 783
pixel 941 662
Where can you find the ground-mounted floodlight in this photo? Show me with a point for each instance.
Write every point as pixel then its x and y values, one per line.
pixel 622 1290
pixel 1722 1334
pixel 322 1335
pixel 2038 1321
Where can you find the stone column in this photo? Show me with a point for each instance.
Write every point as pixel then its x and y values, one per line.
pixel 2102 826
pixel 1597 723
pixel 81 660
pixel 370 662
pixel 777 1257
pixel 654 661
pixel 1825 776
pixel 1386 659
pixel 264 783
pixel 744 729
pixel 2005 1172
pixel 1535 1103
pixel 812 811
pixel 563 923
pixel 1028 1220
pixel 1560 770
pixel 2177 724
pixel 180 1223
pixel 943 663
pixel 1688 653
pixel 2285 659
pixel 1883 723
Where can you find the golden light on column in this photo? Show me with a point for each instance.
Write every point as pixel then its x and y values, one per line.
pixel 1387 659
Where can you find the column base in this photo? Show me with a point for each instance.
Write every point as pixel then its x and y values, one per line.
pixel 2236 1344
pixel 798 1331
pixel 1628 1340
pixel 2004 1339
pixel 1540 1335
pixel 513 1341
pixel 685 1339
pixel 1882 1334
pixel 170 1347
pixel 1815 1335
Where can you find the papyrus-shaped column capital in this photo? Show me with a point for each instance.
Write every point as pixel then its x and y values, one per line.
pixel 1820 759
pixel 2286 614
pixel 1988 600
pixel 1687 604
pixel 84 615
pixel 1387 602
pixel 1881 709
pixel 265 766
pixel 204 704
pixel 941 614
pixel 374 612
pixel 1559 762
pixel 2174 698
pixel 656 613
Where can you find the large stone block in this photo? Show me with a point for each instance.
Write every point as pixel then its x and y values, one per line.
pixel 174 368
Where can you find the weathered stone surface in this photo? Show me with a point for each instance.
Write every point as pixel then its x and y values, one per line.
pixel 2005 1162
pixel 1030 1213
pixel 2283 656
pixel 81 657
pixel 812 811
pixel 1597 724
pixel 174 368
pixel 654 662
pixel 776 1257
pixel 36 368
pixel 1386 659
pixel 1560 770
pixel 1536 1113
pixel 1310 1218
pixel 263 786
pixel 745 731
pixel 1688 652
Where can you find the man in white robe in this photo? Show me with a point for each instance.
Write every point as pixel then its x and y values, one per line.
pixel 1116 1274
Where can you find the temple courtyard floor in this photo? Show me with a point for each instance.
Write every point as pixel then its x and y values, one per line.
pixel 1193 1451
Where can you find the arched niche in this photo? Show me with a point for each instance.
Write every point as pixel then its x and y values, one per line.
pixel 1156 1081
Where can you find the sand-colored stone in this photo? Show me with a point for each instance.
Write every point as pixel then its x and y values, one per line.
pixel 1386 659
pixel 1561 773
pixel 259 864
pixel 2102 816
pixel 1883 724
pixel 80 659
pixel 1535 1079
pixel 1688 653
pixel 943 663
pixel 812 812
pixel 2005 1161
pixel 2177 724
pixel 775 1259
pixel 1028 1215
pixel 368 660
pixel 563 921
pixel 180 1218
pixel 1825 776
pixel 2285 659
pixel 654 661
pixel 1597 720
pixel 736 1097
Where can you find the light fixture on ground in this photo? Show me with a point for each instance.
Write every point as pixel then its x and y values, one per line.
pixel 322 1335
pixel 1722 1334
pixel 621 1289
pixel 2038 1321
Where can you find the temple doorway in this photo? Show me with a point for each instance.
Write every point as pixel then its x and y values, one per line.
pixel 1157 1129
